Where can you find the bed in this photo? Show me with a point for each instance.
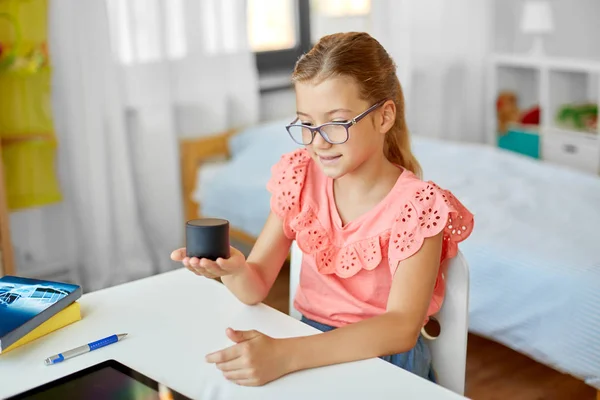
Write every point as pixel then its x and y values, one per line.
pixel 534 254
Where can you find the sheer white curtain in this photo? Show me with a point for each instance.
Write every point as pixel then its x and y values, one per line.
pixel 440 47
pixel 130 77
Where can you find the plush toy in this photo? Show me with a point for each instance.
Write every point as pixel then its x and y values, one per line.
pixel 508 112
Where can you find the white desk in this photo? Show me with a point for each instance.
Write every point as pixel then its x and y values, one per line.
pixel 173 321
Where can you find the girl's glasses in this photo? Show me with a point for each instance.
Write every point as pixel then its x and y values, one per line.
pixel 332 132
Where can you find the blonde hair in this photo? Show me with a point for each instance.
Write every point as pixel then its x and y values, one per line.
pixel 359 56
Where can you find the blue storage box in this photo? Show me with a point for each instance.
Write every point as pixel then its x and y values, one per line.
pixel 524 140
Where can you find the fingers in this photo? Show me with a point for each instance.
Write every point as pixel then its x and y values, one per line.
pixel 233 252
pixel 225 355
pixel 235 261
pixel 232 365
pixel 203 267
pixel 239 371
pixel 240 336
pixel 245 363
pixel 247 382
pixel 196 269
pixel 224 264
pixel 178 255
pixel 212 267
pixel 209 268
pixel 237 375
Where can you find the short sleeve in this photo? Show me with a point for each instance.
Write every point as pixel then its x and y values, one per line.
pixel 285 185
pixel 427 211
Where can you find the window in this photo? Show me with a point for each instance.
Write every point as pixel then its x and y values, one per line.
pixel 272 25
pixel 280 31
pixel 330 16
pixel 341 8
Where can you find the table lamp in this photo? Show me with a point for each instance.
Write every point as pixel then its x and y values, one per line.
pixel 537 21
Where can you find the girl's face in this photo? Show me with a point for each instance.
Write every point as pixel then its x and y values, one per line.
pixel 337 99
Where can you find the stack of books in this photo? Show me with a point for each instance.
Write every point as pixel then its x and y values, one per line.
pixel 32 308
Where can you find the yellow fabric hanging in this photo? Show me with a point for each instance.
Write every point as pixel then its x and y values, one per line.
pixel 30 178
pixel 26 128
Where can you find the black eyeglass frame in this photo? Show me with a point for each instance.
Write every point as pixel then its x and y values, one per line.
pixel 347 125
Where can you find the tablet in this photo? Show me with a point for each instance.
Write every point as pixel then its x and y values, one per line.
pixel 107 380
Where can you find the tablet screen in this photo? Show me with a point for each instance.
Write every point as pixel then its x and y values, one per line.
pixel 109 380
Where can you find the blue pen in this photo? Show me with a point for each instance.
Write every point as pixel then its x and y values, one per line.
pixel 84 349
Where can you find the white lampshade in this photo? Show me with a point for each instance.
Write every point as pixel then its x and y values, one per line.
pixel 537 17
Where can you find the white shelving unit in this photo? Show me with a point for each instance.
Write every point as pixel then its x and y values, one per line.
pixel 568 73
pixel 551 82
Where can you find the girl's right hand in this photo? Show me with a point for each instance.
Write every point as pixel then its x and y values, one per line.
pixel 212 269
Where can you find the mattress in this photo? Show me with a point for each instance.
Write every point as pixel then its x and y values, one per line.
pixel 533 255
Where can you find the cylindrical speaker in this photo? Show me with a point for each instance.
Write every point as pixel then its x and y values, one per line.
pixel 207 238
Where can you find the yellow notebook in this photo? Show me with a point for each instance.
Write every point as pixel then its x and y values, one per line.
pixel 70 314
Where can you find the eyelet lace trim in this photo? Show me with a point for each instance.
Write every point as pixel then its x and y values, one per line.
pixel 346 261
pixel 429 211
pixel 287 179
pixel 425 216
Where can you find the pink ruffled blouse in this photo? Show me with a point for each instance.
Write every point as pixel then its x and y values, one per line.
pixel 347 271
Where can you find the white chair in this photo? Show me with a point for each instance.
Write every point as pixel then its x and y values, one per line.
pixel 295 263
pixel 449 350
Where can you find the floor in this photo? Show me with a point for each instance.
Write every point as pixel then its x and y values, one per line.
pixel 493 371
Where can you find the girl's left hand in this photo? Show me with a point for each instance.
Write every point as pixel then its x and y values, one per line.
pixel 254 360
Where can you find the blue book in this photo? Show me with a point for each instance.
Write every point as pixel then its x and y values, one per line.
pixel 26 303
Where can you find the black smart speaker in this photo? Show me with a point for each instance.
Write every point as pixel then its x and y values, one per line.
pixel 207 238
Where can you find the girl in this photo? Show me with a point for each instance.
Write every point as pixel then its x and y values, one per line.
pixel 373 234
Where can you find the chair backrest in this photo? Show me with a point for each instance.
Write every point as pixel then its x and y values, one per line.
pixel 295 263
pixel 449 350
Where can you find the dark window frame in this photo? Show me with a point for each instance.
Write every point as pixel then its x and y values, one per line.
pixel 284 60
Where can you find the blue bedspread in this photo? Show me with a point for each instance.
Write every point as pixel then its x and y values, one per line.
pixel 534 253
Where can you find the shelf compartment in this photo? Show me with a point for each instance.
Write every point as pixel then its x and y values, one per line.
pixel 573 100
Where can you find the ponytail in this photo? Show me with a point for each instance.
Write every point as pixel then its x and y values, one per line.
pixel 397 147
